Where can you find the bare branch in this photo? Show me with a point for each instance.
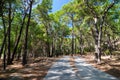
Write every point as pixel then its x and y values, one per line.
pixel 107 9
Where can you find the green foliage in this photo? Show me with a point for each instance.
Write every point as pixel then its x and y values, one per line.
pixel 44 8
pixel 89 49
pixel 107 52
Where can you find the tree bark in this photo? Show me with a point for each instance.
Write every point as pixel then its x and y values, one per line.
pixel 24 60
pixel 9 33
pixel 48 48
pixel 73 36
pixel 4 58
pixel 81 43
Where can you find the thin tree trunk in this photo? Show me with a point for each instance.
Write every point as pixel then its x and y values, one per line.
pixel 4 58
pixel 53 47
pixel 9 32
pixel 18 56
pixel 60 46
pixel 81 42
pixel 99 44
pixel 48 48
pixel 73 42
pixel 24 60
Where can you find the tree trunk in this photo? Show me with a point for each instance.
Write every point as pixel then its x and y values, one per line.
pixel 97 38
pixel 97 34
pixel 73 36
pixel 81 42
pixel 24 60
pixel 4 59
pixel 100 31
pixel 19 54
pixel 99 44
pixel 48 48
pixel 9 32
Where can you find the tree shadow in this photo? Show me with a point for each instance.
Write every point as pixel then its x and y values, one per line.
pixel 115 72
pixel 88 72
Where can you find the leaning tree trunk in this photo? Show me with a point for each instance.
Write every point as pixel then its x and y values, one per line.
pixel 24 60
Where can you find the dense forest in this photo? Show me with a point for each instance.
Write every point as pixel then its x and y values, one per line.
pixel 29 28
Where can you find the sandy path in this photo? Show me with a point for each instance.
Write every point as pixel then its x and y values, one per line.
pixel 62 70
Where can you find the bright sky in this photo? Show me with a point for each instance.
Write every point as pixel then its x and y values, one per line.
pixel 57 4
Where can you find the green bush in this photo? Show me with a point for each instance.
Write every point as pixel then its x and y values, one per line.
pixel 107 52
pixel 89 49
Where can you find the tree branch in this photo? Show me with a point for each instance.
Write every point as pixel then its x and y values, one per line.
pixel 107 9
pixel 91 9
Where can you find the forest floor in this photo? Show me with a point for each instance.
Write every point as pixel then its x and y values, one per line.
pixel 36 69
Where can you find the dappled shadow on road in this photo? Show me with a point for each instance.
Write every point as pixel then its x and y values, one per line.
pixel 87 72
pixel 108 65
pixel 61 70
